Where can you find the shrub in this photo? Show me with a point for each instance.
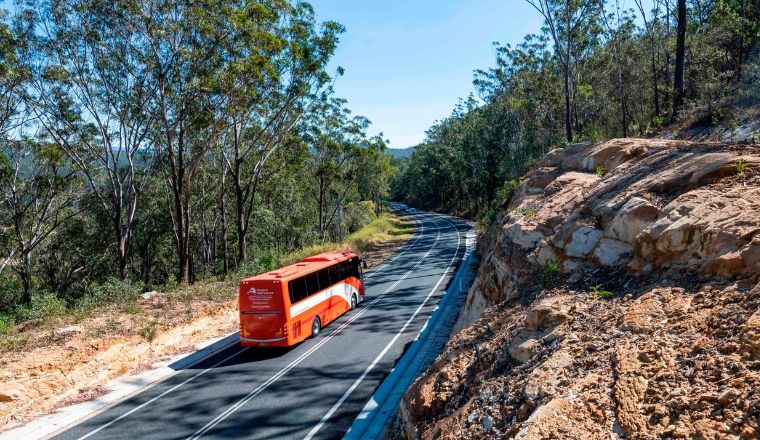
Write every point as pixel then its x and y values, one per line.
pixel 267 262
pixel 505 191
pixel 114 289
pixel 599 292
pixel 358 215
pixel 10 292
pixel 600 170
pixel 550 272
pixel 149 330
pixel 741 168
pixel 42 306
pixel 7 323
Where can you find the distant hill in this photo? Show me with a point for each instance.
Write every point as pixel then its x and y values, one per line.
pixel 400 153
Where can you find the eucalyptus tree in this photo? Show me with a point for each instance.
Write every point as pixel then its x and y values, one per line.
pixel 572 25
pixel 651 29
pixel 91 59
pixel 38 193
pixel 185 45
pixel 678 79
pixel 339 148
pixel 277 74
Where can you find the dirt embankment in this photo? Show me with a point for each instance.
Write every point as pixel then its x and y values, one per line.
pixel 617 297
pixel 73 361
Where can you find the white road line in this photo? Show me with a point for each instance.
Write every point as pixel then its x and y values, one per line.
pixel 229 411
pixel 174 388
pixel 137 408
pixel 358 381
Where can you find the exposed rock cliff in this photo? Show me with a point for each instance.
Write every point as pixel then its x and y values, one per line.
pixel 617 298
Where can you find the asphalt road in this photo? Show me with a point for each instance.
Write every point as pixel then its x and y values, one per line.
pixel 312 390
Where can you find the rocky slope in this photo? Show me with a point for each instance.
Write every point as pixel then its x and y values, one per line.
pixel 617 297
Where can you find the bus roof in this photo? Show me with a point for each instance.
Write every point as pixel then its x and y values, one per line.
pixel 307 265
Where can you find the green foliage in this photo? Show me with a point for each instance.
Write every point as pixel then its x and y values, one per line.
pixel 43 306
pixel 116 290
pixel 7 323
pixel 599 292
pixel 550 272
pixel 358 215
pixel 741 168
pixel 267 262
pixel 529 213
pixel 600 170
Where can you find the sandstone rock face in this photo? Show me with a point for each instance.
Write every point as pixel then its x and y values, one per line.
pixel 661 205
pixel 614 307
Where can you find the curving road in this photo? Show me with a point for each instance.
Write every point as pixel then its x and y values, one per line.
pixel 312 390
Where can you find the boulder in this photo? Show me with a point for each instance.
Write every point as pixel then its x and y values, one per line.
pixel 632 218
pixel 700 227
pixel 543 253
pixel 522 235
pixel 546 314
pixel 610 252
pixel 583 241
pixel 523 350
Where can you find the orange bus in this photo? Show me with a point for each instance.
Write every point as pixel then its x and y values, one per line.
pixel 288 305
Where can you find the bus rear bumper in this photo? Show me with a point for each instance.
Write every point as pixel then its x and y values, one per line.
pixel 276 342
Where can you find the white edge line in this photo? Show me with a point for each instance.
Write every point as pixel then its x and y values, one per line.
pixel 358 381
pixel 137 408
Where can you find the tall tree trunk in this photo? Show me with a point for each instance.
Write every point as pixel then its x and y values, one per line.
pixel 26 276
pixel 184 243
pixel 568 73
pixel 678 82
pixel 668 95
pixel 240 221
pixel 122 250
pixel 654 80
pixel 568 127
pixel 223 173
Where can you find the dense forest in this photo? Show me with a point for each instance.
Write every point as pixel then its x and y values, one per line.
pixel 595 71
pixel 145 143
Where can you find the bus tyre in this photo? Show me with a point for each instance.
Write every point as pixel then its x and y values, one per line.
pixel 353 302
pixel 316 327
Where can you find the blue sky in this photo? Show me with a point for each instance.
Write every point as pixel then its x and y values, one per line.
pixel 408 62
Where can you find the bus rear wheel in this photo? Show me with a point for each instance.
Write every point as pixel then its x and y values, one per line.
pixel 353 302
pixel 316 327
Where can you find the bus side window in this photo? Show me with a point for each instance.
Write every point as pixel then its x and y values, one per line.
pixel 297 289
pixel 332 273
pixel 324 278
pixel 312 283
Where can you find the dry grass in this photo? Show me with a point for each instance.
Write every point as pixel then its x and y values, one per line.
pixel 387 228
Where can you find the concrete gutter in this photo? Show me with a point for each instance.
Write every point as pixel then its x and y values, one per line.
pixel 121 389
pixel 376 416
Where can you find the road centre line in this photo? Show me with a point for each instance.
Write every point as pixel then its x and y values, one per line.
pixel 361 378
